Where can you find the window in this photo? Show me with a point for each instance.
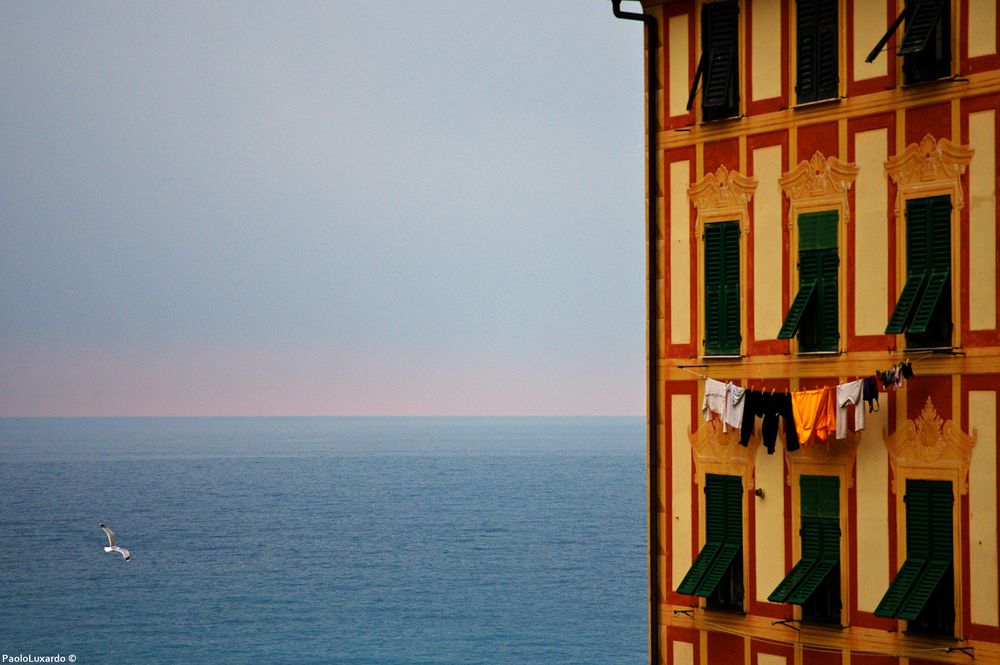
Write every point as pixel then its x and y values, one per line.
pixel 926 42
pixel 923 590
pixel 923 310
pixel 814 312
pixel 722 289
pixel 718 68
pixel 814 582
pixel 717 573
pixel 816 59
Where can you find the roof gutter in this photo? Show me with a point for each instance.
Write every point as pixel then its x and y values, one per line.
pixel 652 298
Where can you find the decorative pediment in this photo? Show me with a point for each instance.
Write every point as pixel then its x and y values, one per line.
pixel 932 443
pixel 835 452
pixel 723 190
pixel 928 165
pixel 711 444
pixel 820 178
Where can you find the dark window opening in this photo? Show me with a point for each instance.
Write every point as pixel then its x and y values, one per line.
pixel 926 42
pixel 728 595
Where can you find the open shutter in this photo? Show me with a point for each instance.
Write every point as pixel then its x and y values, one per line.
pixel 827 303
pixel 791 325
pixel 937 231
pixel 820 513
pixel 917 268
pixel 720 39
pixel 929 549
pixel 920 25
pixel 723 535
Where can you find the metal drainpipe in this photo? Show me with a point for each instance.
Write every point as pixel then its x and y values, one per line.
pixel 652 41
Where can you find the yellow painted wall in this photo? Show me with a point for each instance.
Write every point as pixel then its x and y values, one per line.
pixel 680 254
pixel 770 659
pixel 871 480
pixel 765 68
pixel 982 28
pixel 869 26
pixel 682 530
pixel 769 532
pixel 683 653
pixel 677 43
pixel 982 222
pixel 983 507
pixel 871 219
pixel 767 314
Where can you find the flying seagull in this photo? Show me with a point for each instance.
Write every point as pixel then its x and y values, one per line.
pixel 112 547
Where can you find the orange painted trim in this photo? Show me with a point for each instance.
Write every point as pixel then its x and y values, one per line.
pixel 690 349
pixel 756 607
pixel 774 103
pixel 671 10
pixel 665 502
pixel 681 635
pixel 879 83
pixel 981 63
pixel 976 631
pixel 868 342
pixel 767 346
pixel 978 337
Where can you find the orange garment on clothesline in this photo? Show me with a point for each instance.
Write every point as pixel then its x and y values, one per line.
pixel 815 414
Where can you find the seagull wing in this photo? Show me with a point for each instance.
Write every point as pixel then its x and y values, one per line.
pixel 124 552
pixel 110 534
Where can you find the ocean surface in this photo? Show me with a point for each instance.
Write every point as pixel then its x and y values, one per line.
pixel 324 540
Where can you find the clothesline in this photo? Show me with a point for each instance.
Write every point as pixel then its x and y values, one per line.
pixel 809 416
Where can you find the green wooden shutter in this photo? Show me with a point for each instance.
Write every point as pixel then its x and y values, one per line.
pixel 720 39
pixel 806 32
pixel 929 549
pixel 920 25
pixel 816 65
pixel 722 288
pixel 827 36
pixel 918 211
pixel 723 535
pixel 819 500
pixel 818 279
pixel 937 231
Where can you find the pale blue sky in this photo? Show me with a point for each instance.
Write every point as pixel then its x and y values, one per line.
pixel 331 208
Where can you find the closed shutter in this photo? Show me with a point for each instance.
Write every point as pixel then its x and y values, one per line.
pixel 816 66
pixel 722 288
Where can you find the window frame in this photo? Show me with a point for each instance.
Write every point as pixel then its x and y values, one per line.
pixel 917 66
pixel 817 67
pixel 717 62
pixel 730 297
pixel 818 569
pixel 722 555
pixel 812 302
pixel 917 295
pixel 932 560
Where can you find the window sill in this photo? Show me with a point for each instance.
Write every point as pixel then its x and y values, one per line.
pixel 817 102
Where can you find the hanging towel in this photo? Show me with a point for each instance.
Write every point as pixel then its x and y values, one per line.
pixel 849 393
pixel 814 412
pixel 716 394
pixel 734 405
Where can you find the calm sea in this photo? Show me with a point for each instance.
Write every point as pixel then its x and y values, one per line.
pixel 324 540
